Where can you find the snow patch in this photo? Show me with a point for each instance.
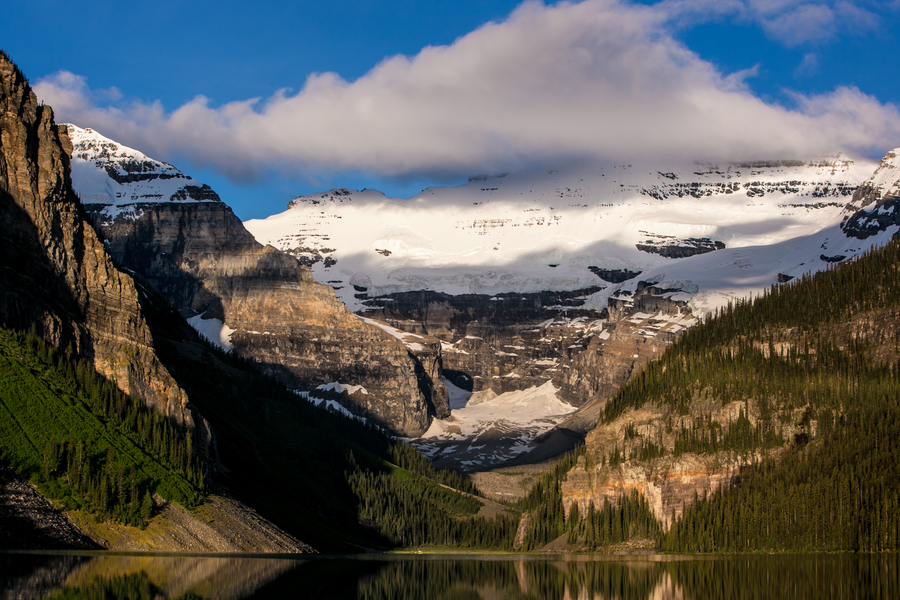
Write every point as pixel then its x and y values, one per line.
pixel 485 428
pixel 330 405
pixel 213 330
pixel 342 388
pixel 413 342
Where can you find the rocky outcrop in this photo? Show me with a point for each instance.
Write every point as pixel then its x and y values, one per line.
pixel 651 297
pixel 614 275
pixel 28 521
pixel 876 203
pixel 501 343
pixel 670 483
pixel 263 305
pixel 671 247
pixel 55 274
pixel 515 341
pixel 610 358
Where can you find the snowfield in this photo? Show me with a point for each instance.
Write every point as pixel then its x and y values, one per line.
pixel 485 429
pixel 543 230
pixel 122 178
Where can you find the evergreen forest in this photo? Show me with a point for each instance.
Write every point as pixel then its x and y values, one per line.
pixel 813 363
pixel 817 361
pixel 83 442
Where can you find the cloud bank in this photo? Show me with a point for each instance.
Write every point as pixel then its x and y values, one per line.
pixel 597 80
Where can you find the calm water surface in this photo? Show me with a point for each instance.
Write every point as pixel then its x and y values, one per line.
pixel 440 577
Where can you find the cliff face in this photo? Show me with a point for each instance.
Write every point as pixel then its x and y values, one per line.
pixel 516 341
pixel 669 483
pixel 641 326
pixel 55 273
pixel 876 203
pixel 501 343
pixel 255 300
pixel 199 256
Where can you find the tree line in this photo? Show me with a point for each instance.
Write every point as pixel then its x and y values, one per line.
pixel 84 442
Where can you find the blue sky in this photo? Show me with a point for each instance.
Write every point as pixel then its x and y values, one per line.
pixel 267 100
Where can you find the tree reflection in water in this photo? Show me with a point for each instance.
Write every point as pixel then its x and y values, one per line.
pixel 443 577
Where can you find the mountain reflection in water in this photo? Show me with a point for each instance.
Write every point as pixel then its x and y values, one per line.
pixel 443 577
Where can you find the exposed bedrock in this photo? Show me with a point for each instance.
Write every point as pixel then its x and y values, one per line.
pixel 875 205
pixel 679 248
pixel 55 273
pixel 200 257
pixel 504 342
pixel 877 215
pixel 515 341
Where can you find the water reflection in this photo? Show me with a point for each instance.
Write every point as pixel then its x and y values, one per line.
pixel 375 577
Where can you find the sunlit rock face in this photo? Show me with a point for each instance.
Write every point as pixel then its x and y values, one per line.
pixel 577 275
pixel 248 298
pixel 876 204
pixel 55 274
pixel 670 483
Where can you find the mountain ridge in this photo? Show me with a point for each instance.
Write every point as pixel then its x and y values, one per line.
pixel 554 230
pixel 247 297
pixel 71 291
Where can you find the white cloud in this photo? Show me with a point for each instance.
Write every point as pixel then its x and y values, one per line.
pixel 808 66
pixel 858 119
pixel 790 22
pixel 596 80
pixel 804 24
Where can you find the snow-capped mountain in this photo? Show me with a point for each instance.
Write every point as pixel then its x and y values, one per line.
pixel 252 300
pixel 120 179
pixel 877 200
pixel 535 292
pixel 574 276
pixel 713 231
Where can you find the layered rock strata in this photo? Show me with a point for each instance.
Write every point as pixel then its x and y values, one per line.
pixel 515 341
pixel 501 343
pixel 876 203
pixel 260 302
pixel 669 483
pixel 55 274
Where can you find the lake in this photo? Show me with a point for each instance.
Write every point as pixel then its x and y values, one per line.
pixel 445 577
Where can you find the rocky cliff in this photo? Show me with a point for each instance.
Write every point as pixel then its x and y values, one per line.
pixel 876 203
pixel 55 274
pixel 248 298
pixel 669 483
pixel 515 341
pixel 501 343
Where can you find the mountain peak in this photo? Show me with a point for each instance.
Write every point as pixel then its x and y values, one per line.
pixel 122 179
pixel 335 196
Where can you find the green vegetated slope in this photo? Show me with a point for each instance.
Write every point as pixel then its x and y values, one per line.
pixel 85 443
pixel 815 368
pixel 336 483
pixel 819 362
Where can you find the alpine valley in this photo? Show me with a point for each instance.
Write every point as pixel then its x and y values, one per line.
pixel 618 357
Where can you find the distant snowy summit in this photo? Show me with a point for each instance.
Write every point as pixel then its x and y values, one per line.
pixel 707 232
pixel 711 231
pixel 118 180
